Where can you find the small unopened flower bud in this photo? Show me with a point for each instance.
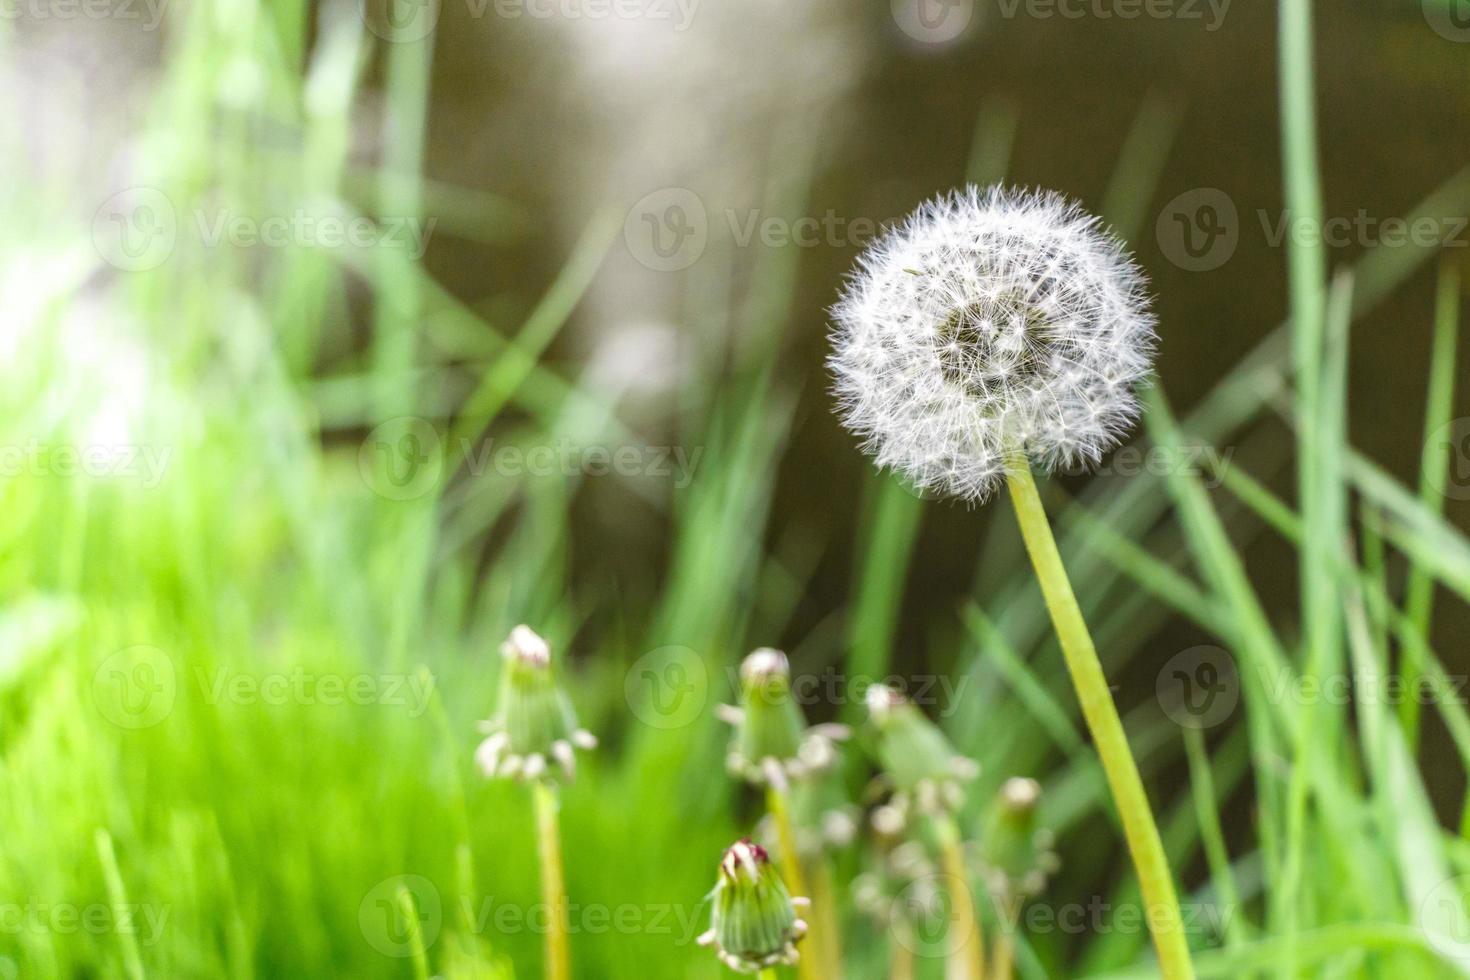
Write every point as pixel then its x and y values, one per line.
pixel 924 769
pixel 772 743
pixel 1017 853
pixel 534 723
pixel 753 918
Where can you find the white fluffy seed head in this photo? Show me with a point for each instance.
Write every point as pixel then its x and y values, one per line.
pixel 992 321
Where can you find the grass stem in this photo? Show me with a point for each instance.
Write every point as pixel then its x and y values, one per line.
pixel 1142 833
pixel 553 885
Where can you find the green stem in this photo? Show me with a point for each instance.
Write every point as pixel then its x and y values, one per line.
pixel 768 974
pixel 807 965
pixel 967 959
pixel 1142 833
pixel 824 916
pixel 553 885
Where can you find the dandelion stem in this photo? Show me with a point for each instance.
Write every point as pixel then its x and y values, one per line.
pixel 1004 957
pixel 806 966
pixel 900 961
pixel 1142 833
pixel 553 886
pixel 768 974
pixel 967 958
pixel 824 917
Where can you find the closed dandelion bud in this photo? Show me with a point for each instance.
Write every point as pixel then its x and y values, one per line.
pixel 990 323
pixel 1016 852
pixel 753 919
pixel 534 731
pixel 923 768
pixel 772 743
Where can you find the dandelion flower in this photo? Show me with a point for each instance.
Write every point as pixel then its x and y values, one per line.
pixel 534 724
pixel 753 919
pixel 991 322
pixel 772 743
pixel 993 329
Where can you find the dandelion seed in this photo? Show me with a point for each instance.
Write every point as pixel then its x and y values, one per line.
pixel 991 322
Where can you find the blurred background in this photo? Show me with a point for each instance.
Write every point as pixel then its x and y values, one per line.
pixel 337 339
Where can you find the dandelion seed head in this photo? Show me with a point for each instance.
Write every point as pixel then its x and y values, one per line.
pixel 992 321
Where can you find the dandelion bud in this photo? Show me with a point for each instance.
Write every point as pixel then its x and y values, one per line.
pixel 1016 852
pixel 918 760
pixel 753 919
pixel 772 743
pixel 534 724
pixel 990 323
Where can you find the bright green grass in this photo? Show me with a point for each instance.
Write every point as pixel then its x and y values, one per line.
pixel 293 839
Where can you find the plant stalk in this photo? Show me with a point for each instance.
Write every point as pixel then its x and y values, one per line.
pixel 824 916
pixel 553 884
pixel 966 960
pixel 807 965
pixel 1142 833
